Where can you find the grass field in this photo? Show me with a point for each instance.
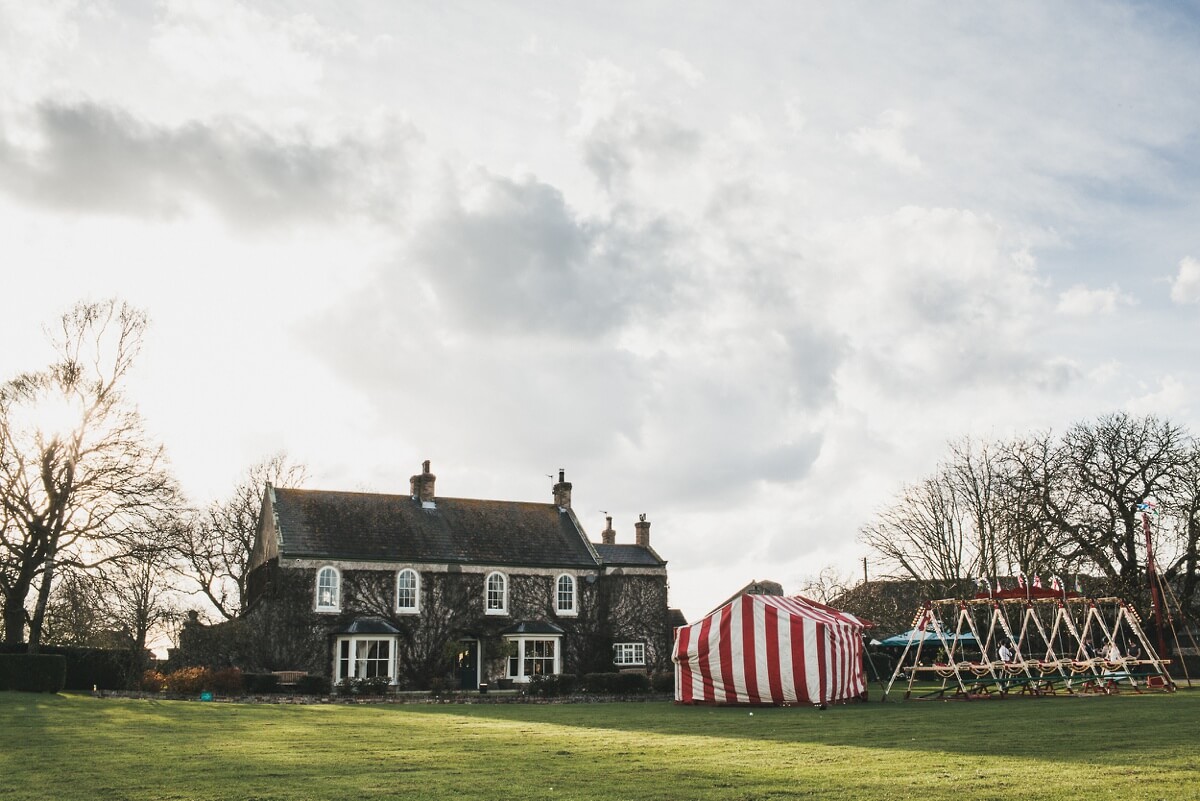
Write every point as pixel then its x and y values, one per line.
pixel 1124 747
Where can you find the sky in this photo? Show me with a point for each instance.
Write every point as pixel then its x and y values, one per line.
pixel 743 268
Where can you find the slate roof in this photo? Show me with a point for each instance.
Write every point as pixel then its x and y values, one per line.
pixel 533 627
pixel 396 528
pixel 628 555
pixel 369 625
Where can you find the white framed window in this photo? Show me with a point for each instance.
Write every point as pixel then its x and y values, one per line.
pixel 408 591
pixel 629 654
pixel 495 594
pixel 564 593
pixel 533 656
pixel 366 658
pixel 329 589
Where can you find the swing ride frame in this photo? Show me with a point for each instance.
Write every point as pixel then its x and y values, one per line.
pixel 1057 628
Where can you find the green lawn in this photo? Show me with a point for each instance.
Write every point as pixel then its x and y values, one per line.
pixel 1124 747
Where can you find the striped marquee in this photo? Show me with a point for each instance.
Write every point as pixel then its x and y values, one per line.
pixel 765 649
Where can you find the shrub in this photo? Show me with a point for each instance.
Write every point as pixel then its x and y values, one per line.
pixel 312 685
pixel 552 686
pixel 152 682
pixel 375 685
pixel 631 684
pixel 260 683
pixel 189 680
pixel 442 685
pixel 227 681
pixel 663 682
pixel 105 668
pixel 598 682
pixel 33 673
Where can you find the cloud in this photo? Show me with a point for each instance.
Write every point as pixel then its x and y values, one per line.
pixel 510 256
pixel 621 134
pixel 1185 287
pixel 231 43
pixel 85 156
pixel 33 36
pixel 886 142
pixel 1170 398
pixel 1079 301
pixel 678 64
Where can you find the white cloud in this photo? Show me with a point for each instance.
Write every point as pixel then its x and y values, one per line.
pixel 1185 287
pixel 1079 301
pixel 886 142
pixel 678 63
pixel 231 43
pixel 1169 399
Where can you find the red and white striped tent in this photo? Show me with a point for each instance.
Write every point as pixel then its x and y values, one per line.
pixel 769 649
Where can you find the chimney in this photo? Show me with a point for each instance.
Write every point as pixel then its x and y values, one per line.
pixel 608 536
pixel 421 485
pixel 642 526
pixel 562 491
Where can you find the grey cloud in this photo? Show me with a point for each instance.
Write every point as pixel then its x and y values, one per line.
pixel 617 143
pixel 99 158
pixel 520 261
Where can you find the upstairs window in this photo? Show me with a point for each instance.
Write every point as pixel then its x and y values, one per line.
pixel 565 595
pixel 408 587
pixel 329 590
pixel 496 594
pixel 628 654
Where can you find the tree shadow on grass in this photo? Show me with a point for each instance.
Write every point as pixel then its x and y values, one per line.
pixel 1091 729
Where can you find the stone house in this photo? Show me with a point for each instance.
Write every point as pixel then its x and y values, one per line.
pixel 422 589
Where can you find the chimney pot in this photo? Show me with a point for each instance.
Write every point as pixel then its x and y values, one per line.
pixel 421 485
pixel 642 527
pixel 562 491
pixel 608 536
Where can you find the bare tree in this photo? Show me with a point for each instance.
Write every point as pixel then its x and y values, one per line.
pixel 76 468
pixel 215 546
pixel 1114 466
pixel 77 613
pixel 926 533
pixel 827 585
pixel 1044 504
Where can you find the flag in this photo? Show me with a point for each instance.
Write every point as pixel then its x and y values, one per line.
pixel 1021 580
pixel 998 590
pixel 1055 584
pixel 1078 586
pixel 1037 582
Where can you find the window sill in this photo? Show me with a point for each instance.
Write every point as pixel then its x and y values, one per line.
pixel 496 612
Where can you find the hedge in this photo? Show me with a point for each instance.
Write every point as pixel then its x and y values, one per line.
pixel 104 668
pixel 33 673
pixel 616 683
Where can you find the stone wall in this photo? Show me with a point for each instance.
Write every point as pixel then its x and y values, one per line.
pixel 281 631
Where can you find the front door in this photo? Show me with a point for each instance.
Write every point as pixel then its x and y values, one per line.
pixel 468 665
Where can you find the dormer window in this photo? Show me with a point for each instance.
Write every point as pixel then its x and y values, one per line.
pixel 565 597
pixel 329 589
pixel 496 594
pixel 408 592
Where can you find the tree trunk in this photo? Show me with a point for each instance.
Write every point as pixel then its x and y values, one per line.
pixel 14 617
pixel 39 611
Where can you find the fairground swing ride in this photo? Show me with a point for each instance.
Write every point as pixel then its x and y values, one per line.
pixel 1046 641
